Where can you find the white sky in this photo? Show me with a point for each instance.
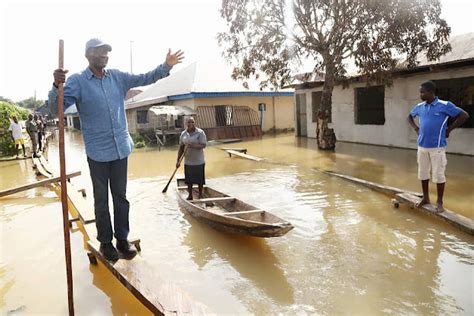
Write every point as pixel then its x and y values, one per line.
pixel 30 30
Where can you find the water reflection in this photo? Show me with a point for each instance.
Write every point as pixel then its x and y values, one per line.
pixel 251 257
pixel 350 249
pixel 121 302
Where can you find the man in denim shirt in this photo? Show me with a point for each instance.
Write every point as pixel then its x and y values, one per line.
pixel 99 95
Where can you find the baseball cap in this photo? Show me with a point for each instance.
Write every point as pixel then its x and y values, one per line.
pixel 96 42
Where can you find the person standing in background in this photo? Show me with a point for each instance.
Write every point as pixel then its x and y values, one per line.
pixel 433 131
pixel 194 139
pixel 32 130
pixel 16 130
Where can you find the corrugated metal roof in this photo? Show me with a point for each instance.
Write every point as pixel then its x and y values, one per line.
pixel 198 77
pixel 172 110
pixel 462 49
pixel 72 110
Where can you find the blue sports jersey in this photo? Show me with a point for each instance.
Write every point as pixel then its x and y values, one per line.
pixel 434 121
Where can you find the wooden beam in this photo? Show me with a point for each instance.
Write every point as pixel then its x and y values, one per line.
pixel 182 187
pixel 37 184
pixel 457 220
pixel 41 169
pixel 141 279
pixel 236 153
pixel 372 185
pixel 244 212
pixel 242 150
pixel 215 199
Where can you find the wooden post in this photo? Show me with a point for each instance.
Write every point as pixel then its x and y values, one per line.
pixel 36 184
pixel 62 165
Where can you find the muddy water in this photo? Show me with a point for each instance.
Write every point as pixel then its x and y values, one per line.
pixel 350 251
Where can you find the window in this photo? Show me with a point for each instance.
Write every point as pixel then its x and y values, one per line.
pixel 460 91
pixel 142 117
pixel 224 115
pixel 370 105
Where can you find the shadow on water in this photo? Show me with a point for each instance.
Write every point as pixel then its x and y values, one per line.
pixel 251 257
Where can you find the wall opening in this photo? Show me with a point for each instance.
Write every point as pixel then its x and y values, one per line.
pixel 370 105
pixel 142 116
pixel 459 91
pixel 301 123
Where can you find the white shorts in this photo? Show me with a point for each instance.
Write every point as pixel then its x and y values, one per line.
pixel 433 159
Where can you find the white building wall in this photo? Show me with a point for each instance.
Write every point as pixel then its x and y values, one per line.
pixel 399 100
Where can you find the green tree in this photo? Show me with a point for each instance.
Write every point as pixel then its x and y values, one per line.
pixel 271 36
pixel 30 103
pixel 7 111
pixel 4 99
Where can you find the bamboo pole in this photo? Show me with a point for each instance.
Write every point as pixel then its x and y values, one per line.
pixel 62 165
pixel 36 184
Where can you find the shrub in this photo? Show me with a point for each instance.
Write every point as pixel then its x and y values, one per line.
pixel 140 144
pixel 138 140
pixel 8 110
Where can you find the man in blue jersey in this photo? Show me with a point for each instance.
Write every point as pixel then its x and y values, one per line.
pixel 433 116
pixel 99 97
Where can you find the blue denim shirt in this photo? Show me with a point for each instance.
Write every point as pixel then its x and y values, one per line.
pixel 100 103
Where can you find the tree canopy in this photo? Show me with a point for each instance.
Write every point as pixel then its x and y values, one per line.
pixel 272 36
pixel 30 103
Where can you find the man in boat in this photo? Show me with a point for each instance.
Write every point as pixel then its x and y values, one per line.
pixel 433 116
pixel 193 140
pixel 17 134
pixel 99 97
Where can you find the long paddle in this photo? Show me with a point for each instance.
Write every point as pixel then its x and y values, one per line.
pixel 62 165
pixel 179 162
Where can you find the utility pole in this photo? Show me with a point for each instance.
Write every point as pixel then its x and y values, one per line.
pixel 131 58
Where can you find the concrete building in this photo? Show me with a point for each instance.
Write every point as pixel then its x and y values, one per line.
pixel 72 117
pixel 224 108
pixel 377 114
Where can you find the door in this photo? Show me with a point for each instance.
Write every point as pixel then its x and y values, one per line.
pixel 301 121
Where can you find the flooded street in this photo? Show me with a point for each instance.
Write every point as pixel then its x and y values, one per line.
pixel 350 250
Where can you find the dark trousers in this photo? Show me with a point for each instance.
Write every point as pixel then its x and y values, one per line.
pixel 115 173
pixel 40 140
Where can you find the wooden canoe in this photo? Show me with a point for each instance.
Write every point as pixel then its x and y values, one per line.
pixel 230 214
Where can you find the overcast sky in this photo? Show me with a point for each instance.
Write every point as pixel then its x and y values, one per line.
pixel 30 30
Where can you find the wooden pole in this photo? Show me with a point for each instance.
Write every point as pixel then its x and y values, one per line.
pixel 36 184
pixel 62 165
pixel 176 169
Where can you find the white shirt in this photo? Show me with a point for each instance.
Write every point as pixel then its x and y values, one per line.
pixel 16 129
pixel 194 156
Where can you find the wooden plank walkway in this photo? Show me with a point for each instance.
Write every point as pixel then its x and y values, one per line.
pixel 49 180
pixel 374 186
pixel 161 297
pixel 461 222
pixel 40 169
pixel 242 155
pixel 75 198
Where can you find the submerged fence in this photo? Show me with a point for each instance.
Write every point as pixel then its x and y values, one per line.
pixel 228 121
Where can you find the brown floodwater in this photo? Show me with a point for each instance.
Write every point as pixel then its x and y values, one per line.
pixel 350 252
